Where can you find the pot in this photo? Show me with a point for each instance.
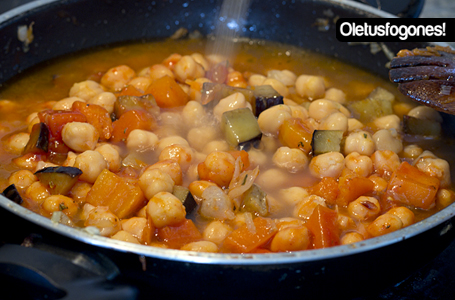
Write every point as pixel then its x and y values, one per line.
pixel 67 26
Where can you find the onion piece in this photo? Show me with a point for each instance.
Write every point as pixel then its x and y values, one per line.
pixel 216 204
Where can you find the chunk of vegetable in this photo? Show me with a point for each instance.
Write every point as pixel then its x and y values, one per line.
pixel 325 141
pixel 239 126
pixel 216 91
pixel 265 97
pixel 371 108
pixel 245 239
pixel 255 201
pixel 39 140
pixel 180 234
pixel 167 93
pixel 122 195
pixel 184 195
pixel 413 187
pixel 97 116
pixel 351 187
pixel 423 127
pixel 12 194
pixel 381 94
pixel 127 103
pixel 327 188
pixel 323 225
pixel 294 133
pixel 59 180
pixel 130 120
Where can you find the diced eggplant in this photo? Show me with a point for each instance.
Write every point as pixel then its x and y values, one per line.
pixel 186 197
pixel 265 97
pixel 59 180
pixel 254 142
pixel 325 141
pixel 12 194
pixel 369 109
pixel 39 139
pixel 255 201
pixel 421 127
pixel 381 94
pixel 126 103
pixel 214 92
pixel 239 126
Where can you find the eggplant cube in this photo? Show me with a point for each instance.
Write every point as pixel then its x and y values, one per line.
pixel 186 197
pixel 59 180
pixel 255 201
pixel 266 97
pixel 39 139
pixel 421 127
pixel 239 125
pixel 12 194
pixel 325 141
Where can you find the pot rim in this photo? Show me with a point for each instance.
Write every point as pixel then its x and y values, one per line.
pixel 84 236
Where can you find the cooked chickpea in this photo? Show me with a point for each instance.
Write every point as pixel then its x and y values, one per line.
pixel 320 109
pixel 200 246
pixel 165 209
pixel 139 139
pixel 66 103
pixel 32 122
pixel 428 163
pixel 197 188
pixel 200 59
pixel 354 125
pixel 156 72
pixel 171 140
pixel 182 154
pixel 362 165
pixel 193 114
pixel 153 181
pixel 257 157
pixel 335 121
pixel 388 139
pixel 271 119
pixel 216 232
pixel 231 102
pixel 80 136
pixel 91 163
pixel 306 206
pixel 277 86
pixel 327 165
pixel 79 191
pixel 217 145
pixel 198 137
pixel 272 178
pixel 388 122
pixel 22 179
pixel 364 208
pixel 86 90
pixel 310 86
pixel 336 95
pixel 384 224
pixel 125 236
pixel 217 167
pixel 118 77
pixel 111 156
pixel 103 219
pixel 412 151
pixel 351 237
pixel 187 68
pixel 360 142
pixel 291 239
pixel 140 83
pixel 293 195
pixel 135 226
pixel 37 192
pixel 444 198
pixel 406 215
pixel 297 111
pixel 256 79
pixel 170 167
pixel 385 162
pixel 380 184
pixel 17 142
pixel 286 77
pixel 60 203
pixel 70 159
pixel 293 160
pixel 425 112
pixel 105 100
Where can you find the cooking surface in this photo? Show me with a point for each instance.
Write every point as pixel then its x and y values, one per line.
pixel 436 280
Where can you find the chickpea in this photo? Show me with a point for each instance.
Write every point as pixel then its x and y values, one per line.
pixel 289 222
pixel 256 79
pixel 291 239
pixel 385 162
pixel 354 125
pixel 180 153
pixel 139 140
pixel 105 100
pixel 236 79
pixel 387 139
pixel 425 112
pixel 329 164
pixel 22 179
pixel 196 88
pixel 8 105
pixel 364 208
pixel 91 163
pixel 428 163
pixel 17 142
pixel 360 142
pixel 217 167
pixel 156 72
pixel 125 236
pixel 380 184
pixel 70 159
pixel 165 210
pixel 198 137
pixel 351 237
pixel 405 214
pixel 135 226
pixel 298 111
pixel 170 167
pixel 320 109
pixel 271 119
pixel 272 178
pixel 80 136
pixel 103 219
pixel 362 165
pixel 336 95
pixel 31 120
pixel 86 90
pixel 231 102
pixel 277 86
pixel 388 122
pixel 171 140
pixel 217 145
pixel 153 181
pixel 293 195
pixel 412 151
pixel 193 114
pixel 187 68
pixel 200 59
pixel 293 160
pixel 197 188
pixel 111 156
pixel 306 206
pixel 118 77
pixel 216 232
pixel 66 103
pixel 140 83
pixel 444 198
pixel 286 77
pixel 335 121
pixel 384 224
pixel 257 157
pixel 79 191
pixel 60 203
pixel 310 86
pixel 201 246
pixel 37 192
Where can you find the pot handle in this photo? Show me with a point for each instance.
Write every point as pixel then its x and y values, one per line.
pixel 35 273
pixel 402 8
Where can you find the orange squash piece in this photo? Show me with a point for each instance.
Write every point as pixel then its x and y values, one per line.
pixel 323 225
pixel 167 92
pixel 352 187
pixel 179 235
pixel 413 187
pixel 97 116
pixel 327 188
pixel 122 195
pixel 295 133
pixel 130 120
pixel 243 240
pixel 243 156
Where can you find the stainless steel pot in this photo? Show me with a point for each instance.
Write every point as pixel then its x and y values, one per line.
pixel 62 27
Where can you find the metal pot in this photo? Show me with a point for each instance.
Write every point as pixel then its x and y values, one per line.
pixel 63 27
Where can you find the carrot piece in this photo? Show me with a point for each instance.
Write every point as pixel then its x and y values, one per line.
pixel 351 187
pixel 295 133
pixel 177 236
pixel 167 93
pixel 243 240
pixel 130 120
pixel 413 187
pixel 97 116
pixel 323 225
pixel 122 195
pixel 327 188
pixel 243 156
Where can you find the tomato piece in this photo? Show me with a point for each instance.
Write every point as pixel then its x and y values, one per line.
pixel 130 120
pixel 97 116
pixel 413 187
pixel 327 188
pixel 167 92
pixel 295 133
pixel 177 236
pixel 57 119
pixel 323 225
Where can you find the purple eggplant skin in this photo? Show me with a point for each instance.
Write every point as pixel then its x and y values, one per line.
pixel 59 180
pixel 186 197
pixel 39 139
pixel 12 194
pixel 266 97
